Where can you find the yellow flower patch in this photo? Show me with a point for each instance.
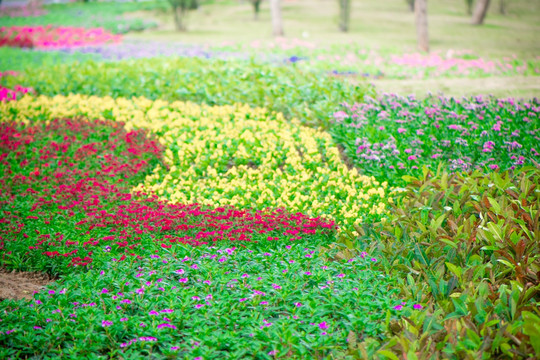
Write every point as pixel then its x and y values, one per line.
pixel 236 155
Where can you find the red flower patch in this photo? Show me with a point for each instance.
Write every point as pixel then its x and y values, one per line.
pixel 64 193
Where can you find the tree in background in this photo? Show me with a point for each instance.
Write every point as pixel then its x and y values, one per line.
pixel 480 12
pixel 469 4
pixel 344 14
pixel 420 10
pixel 256 7
pixel 502 7
pixel 411 5
pixel 180 10
pixel 277 19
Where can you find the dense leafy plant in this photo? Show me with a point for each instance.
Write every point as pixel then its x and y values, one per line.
pixel 395 136
pixel 468 245
pixel 283 89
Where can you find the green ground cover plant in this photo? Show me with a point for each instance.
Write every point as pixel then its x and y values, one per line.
pixel 466 244
pixel 14 59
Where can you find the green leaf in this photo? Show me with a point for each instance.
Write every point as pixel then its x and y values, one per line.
pixel 388 354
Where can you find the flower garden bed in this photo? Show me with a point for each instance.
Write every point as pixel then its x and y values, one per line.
pixel 185 220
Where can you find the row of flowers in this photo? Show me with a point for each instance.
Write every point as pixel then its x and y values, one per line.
pixel 65 188
pixel 393 136
pixel 54 36
pixel 231 155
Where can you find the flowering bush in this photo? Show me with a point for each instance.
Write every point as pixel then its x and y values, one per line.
pixel 394 136
pixel 231 155
pixel 53 37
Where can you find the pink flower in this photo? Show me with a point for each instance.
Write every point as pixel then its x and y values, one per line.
pixel 417 307
pixel 401 130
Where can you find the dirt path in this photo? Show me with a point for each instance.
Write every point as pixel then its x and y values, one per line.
pixel 21 285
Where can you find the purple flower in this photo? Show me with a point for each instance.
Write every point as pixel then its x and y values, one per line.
pixel 417 307
pixel 183 280
pixel 165 325
pixel 398 307
pixel 106 323
pixel 198 306
pixel 124 319
pixel 153 312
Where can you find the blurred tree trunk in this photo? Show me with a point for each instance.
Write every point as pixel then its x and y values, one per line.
pixel 344 14
pixel 180 10
pixel 420 10
pixel 179 18
pixel 256 8
pixel 411 5
pixel 502 7
pixel 469 4
pixel 480 12
pixel 277 20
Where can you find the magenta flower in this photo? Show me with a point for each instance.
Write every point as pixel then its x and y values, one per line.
pixel 398 307
pixel 153 312
pixel 165 325
pixel 323 325
pixel 183 280
pixel 417 307
pixel 124 319
pixel 106 323
pixel 401 130
pixel 198 306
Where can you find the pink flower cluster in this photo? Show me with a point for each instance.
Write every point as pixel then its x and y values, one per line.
pixel 54 37
pixel 7 94
pixel 452 63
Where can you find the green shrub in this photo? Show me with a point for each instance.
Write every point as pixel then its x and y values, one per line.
pixel 468 245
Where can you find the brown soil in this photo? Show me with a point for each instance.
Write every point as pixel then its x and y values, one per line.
pixel 21 285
